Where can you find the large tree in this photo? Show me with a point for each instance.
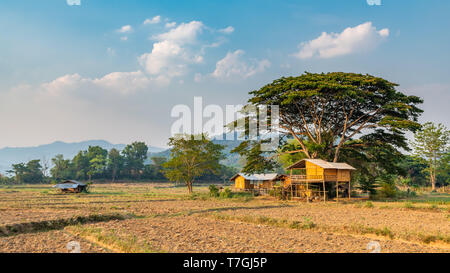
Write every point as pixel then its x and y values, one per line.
pixel 192 157
pixel 431 143
pixel 115 163
pixel 328 113
pixel 135 156
pixel 96 156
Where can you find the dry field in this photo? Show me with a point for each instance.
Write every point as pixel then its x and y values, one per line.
pixel 154 217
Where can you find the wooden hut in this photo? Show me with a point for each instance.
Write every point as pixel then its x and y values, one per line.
pixel 71 186
pixel 256 181
pixel 312 179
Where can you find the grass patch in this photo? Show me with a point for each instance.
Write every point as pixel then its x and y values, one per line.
pixel 408 205
pixel 121 242
pixel 307 223
pixel 360 229
pixel 14 229
pixel 368 204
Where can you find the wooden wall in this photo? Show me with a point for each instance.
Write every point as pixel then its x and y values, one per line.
pixel 313 171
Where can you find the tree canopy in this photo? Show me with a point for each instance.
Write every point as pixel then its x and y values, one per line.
pixel 338 116
pixel 191 158
pixel 328 111
pixel 431 143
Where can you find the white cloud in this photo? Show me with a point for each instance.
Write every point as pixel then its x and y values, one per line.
pixel 233 66
pixel 227 30
pixel 172 52
pixel 184 33
pixel 353 39
pixel 154 20
pixel 125 29
pixel 171 24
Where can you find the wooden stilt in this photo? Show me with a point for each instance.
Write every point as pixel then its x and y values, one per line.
pixel 337 191
pixel 324 193
pixel 349 191
pixel 307 192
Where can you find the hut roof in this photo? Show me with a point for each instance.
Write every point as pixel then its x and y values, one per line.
pixel 321 163
pixel 69 184
pixel 73 182
pixel 258 177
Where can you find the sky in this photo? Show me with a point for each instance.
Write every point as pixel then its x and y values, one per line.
pixel 74 70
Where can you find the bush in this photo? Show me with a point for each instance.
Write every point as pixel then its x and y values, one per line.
pixel 368 204
pixel 226 193
pixel 388 188
pixel 213 191
pixel 409 205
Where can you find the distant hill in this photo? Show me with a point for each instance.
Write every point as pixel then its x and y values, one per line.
pixel 9 156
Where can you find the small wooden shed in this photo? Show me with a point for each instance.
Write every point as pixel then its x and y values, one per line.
pixel 249 182
pixel 312 178
pixel 71 186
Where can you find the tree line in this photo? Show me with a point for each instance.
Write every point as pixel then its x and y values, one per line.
pixel 96 163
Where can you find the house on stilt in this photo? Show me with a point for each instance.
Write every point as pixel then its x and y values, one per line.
pixel 316 179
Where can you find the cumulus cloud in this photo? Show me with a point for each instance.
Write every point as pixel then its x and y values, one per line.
pixel 154 20
pixel 171 24
pixel 233 65
pixel 184 33
pixel 171 54
pixel 353 39
pixel 125 29
pixel 227 30
pixel 123 83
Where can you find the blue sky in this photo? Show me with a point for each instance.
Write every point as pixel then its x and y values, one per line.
pixel 97 71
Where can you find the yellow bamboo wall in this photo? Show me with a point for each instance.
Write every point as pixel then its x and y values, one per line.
pixel 313 171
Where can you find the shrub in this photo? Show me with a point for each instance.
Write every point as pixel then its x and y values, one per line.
pixel 368 204
pixel 226 193
pixel 213 191
pixel 409 205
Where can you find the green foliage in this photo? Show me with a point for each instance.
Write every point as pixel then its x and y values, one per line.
pixel 115 163
pixel 388 188
pixel 191 157
pixel 368 204
pixel 213 191
pixel 226 193
pixel 134 157
pixel 430 144
pixel 30 172
pixel 257 161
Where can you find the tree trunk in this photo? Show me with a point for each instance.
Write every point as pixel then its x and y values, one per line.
pixel 189 186
pixel 432 176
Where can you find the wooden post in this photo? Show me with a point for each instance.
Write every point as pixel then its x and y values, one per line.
pixel 292 191
pixel 349 190
pixel 337 191
pixel 324 192
pixel 307 191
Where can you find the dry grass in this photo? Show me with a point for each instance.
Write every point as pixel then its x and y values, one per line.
pixel 159 217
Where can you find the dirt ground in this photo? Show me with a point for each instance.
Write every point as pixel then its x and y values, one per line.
pixel 156 217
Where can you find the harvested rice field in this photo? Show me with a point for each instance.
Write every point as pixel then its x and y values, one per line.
pixel 161 217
